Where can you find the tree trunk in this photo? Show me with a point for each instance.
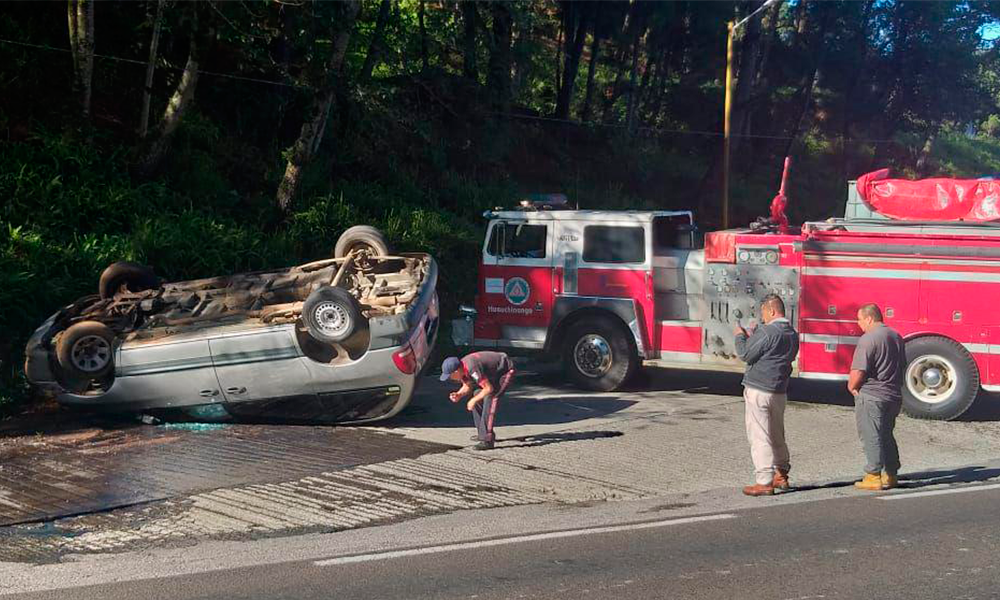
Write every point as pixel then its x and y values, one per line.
pixel 81 41
pixel 560 38
pixel 147 91
pixel 616 88
pixel 631 122
pixel 377 43
pixel 424 57
pixel 521 65
pixel 770 26
pixel 595 46
pixel 862 37
pixel 611 96
pixel 803 110
pixel 650 80
pixel 469 14
pixel 178 105
pixel 580 17
pixel 498 78
pixel 746 74
pixel 924 165
pixel 314 124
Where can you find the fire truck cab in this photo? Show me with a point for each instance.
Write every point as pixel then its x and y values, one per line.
pixel 607 291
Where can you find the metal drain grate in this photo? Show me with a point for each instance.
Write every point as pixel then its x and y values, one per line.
pixel 143 464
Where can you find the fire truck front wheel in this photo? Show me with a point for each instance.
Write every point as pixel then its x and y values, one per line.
pixel 598 354
pixel 941 379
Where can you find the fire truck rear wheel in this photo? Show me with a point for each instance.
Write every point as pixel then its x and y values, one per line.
pixel 598 354
pixel 941 380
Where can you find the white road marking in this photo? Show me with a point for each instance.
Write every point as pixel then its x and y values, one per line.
pixel 973 488
pixel 553 535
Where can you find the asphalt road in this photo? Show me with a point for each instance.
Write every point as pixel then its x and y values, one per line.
pixel 916 545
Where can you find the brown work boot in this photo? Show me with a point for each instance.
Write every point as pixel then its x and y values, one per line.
pixel 759 489
pixel 889 481
pixel 871 482
pixel 780 481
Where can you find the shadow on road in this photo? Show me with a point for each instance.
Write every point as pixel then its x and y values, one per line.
pixel 963 475
pixel 544 439
pixel 513 410
pixel 918 480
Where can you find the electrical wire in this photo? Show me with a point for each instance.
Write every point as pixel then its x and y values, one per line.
pixel 144 63
pixel 656 130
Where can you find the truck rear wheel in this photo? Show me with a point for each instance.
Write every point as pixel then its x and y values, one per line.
pixel 598 354
pixel 941 379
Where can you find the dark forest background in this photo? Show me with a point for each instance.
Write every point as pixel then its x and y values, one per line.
pixel 220 136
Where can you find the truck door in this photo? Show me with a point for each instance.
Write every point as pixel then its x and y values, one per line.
pixel 516 293
pixel 675 261
pixel 617 263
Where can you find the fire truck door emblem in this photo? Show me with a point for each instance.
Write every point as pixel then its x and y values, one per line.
pixel 517 291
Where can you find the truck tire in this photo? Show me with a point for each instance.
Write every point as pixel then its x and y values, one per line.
pixel 129 275
pixel 85 351
pixel 599 355
pixel 332 315
pixel 941 379
pixel 361 237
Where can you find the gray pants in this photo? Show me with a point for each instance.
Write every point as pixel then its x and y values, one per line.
pixel 876 420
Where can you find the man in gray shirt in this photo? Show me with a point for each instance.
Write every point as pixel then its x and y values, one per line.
pixel 768 353
pixel 876 381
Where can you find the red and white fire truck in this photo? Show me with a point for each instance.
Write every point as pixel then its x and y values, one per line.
pixel 610 290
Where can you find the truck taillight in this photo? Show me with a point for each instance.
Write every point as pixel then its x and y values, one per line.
pixel 405 360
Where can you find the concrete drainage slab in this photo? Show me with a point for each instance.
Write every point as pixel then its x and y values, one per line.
pixel 100 470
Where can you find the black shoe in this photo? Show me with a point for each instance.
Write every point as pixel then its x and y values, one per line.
pixel 483 446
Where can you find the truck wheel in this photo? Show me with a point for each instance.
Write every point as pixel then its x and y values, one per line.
pixel 86 350
pixel 129 275
pixel 361 237
pixel 332 315
pixel 598 354
pixel 941 381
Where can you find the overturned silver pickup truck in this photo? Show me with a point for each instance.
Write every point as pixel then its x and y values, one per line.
pixel 337 340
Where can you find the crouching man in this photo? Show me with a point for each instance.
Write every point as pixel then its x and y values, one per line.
pixel 768 353
pixel 492 373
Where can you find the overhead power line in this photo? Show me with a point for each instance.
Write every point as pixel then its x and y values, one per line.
pixel 142 62
pixel 657 130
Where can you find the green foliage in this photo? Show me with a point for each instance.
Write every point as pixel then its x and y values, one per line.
pixel 991 126
pixel 965 156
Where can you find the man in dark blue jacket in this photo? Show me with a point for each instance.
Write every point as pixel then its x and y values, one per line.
pixel 768 353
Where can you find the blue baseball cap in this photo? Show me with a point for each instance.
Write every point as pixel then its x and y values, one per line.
pixel 449 366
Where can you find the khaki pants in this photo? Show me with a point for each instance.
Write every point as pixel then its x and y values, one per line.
pixel 765 417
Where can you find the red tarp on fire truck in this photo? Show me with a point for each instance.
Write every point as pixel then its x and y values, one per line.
pixel 936 199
